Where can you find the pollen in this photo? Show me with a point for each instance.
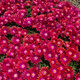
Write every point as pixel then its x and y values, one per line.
pixel 15 75
pixel 61 68
pixel 5 31
pixel 64 59
pixel 68 75
pixel 16 47
pixel 44 50
pixel 4 41
pixel 59 42
pixel 75 56
pixel 60 51
pixel 17 40
pixel 70 53
pixel 77 41
pixel 27 74
pixel 35 58
pixel 52 47
pixel 12 53
pixel 25 51
pixel 44 72
pixel 22 66
pixel 29 22
pixel 1 22
pixel 54 71
pixel 13 31
pixel 33 74
pixel 52 62
pixel 4 50
pixel 49 55
pixel 24 32
pixel 46 34
pixel 10 70
pixel 59 76
pixel 39 51
pixel 22 14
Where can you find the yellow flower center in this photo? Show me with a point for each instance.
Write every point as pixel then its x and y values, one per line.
pixel 64 59
pixel 15 75
pixel 35 58
pixel 49 55
pixel 33 74
pixel 23 66
pixel 28 74
pixel 54 71
pixel 46 34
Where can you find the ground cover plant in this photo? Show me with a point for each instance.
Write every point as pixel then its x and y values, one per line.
pixel 39 40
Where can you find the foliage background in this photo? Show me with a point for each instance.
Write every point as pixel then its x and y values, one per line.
pixel 76 3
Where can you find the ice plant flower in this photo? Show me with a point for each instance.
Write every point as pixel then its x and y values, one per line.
pixel 39 39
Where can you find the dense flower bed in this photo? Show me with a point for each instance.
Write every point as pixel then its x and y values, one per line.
pixel 47 53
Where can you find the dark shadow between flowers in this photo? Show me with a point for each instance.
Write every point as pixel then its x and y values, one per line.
pixel 75 65
pixel 2 56
pixel 30 64
pixel 12 24
pixel 64 38
pixel 46 62
pixel 79 48
pixel 31 30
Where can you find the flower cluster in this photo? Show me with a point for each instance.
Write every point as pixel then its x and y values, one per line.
pixel 55 44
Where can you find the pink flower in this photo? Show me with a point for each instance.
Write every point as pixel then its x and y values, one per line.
pixel 11 53
pixel 27 21
pixel 35 59
pixel 70 52
pixel 51 46
pixel 53 62
pixel 45 34
pixel 48 55
pixel 22 13
pixel 21 66
pixel 64 59
pixel 54 70
pixel 38 51
pixel 44 71
pixel 26 74
pixel 24 32
pixel 13 30
pixel 28 3
pixel 4 40
pixel 4 30
pixel 59 42
pixel 3 49
pixel 77 40
pixel 16 39
pixel 59 76
pixel 19 30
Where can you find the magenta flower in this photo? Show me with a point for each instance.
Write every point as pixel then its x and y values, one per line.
pixel 64 59
pixel 27 21
pixel 16 39
pixel 11 53
pixel 4 30
pixel 45 34
pixel 21 66
pixel 35 59
pixel 26 74
pixel 48 55
pixel 3 49
pixel 4 40
pixel 13 30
